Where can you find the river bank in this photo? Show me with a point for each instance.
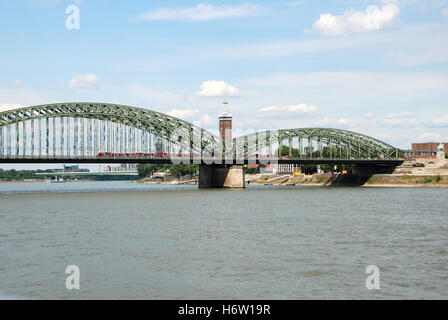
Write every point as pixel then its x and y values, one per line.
pixel 380 180
pixel 323 180
pixel 188 180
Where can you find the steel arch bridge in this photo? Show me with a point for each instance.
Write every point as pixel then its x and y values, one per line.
pixel 82 130
pixel 323 143
pixel 98 132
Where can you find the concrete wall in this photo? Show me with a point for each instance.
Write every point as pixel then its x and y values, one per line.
pixel 431 167
pixel 221 177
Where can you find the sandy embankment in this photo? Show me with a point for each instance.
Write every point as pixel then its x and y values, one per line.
pixel 403 181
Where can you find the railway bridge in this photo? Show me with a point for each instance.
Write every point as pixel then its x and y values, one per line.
pixel 111 133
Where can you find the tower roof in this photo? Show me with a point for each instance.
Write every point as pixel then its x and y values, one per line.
pixel 225 110
pixel 225 115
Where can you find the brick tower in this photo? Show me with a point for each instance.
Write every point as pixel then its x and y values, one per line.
pixel 225 122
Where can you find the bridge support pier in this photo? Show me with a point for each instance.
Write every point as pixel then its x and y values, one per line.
pixel 221 176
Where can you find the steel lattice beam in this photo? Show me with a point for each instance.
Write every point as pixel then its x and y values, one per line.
pixel 157 123
pixel 191 137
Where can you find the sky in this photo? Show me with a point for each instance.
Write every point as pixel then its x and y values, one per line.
pixel 378 67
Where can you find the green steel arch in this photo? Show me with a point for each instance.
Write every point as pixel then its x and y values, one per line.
pixel 312 142
pixel 165 126
pixel 319 143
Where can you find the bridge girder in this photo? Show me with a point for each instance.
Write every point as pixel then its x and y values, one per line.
pixel 357 145
pixel 165 126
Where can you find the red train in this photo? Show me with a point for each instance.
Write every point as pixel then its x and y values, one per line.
pixel 127 155
pixel 150 155
pixel 167 155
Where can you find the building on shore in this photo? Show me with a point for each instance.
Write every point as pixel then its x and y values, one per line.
pixel 280 168
pixel 124 167
pixel 68 169
pixel 427 149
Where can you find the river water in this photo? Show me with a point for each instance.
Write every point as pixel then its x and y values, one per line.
pixel 177 242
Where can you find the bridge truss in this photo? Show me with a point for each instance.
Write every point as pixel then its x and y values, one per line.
pixel 80 130
pixel 85 132
pixel 316 143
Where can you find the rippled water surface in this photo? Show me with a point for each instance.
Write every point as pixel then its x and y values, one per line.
pixel 178 242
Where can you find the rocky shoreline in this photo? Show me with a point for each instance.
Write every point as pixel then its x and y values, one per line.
pixel 379 180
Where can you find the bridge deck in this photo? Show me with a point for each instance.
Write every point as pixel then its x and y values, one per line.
pixel 201 161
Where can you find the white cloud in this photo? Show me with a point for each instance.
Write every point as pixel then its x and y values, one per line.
pixel 430 136
pixel 206 120
pixel 288 110
pixel 84 81
pixel 369 115
pixel 393 46
pixel 404 2
pixel 445 12
pixel 325 122
pixel 213 88
pixel 201 12
pixel 338 85
pixel 440 122
pixel 183 113
pixel 9 106
pixel 373 18
pixel 329 122
pixel 17 84
pixel 400 119
pixel 345 121
pixel 158 98
pixel 404 114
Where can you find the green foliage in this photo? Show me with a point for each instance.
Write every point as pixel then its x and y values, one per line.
pixel 285 152
pixel 407 177
pixel 14 175
pixel 252 170
pixel 321 179
pixel 427 180
pixel 312 168
pixel 371 180
pixel 178 170
pixel 147 170
pixel 330 152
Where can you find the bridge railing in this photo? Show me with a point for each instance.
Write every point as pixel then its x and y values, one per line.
pixel 186 159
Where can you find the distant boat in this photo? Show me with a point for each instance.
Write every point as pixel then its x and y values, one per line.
pixel 56 180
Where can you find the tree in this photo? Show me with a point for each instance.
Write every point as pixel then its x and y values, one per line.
pixel 13 175
pixel 254 170
pixel 178 170
pixel 147 170
pixel 285 152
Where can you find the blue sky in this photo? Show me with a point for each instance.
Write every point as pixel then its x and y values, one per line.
pixel 377 67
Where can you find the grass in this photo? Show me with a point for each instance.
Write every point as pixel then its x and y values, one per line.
pixel 321 179
pixel 427 180
pixel 371 180
pixel 407 177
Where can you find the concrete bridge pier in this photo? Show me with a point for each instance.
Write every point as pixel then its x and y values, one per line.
pixel 223 176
